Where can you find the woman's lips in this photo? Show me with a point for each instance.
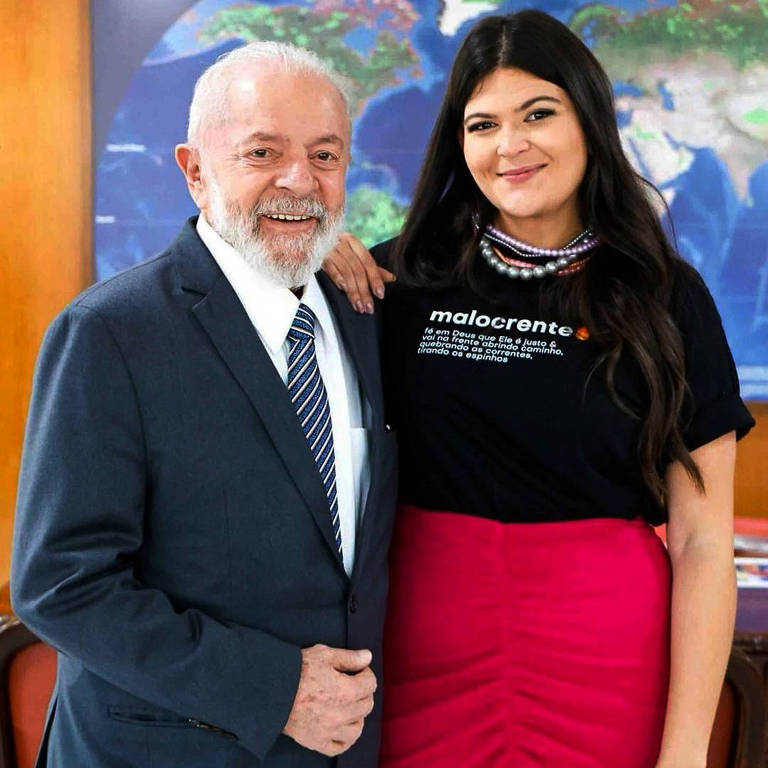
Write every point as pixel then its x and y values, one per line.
pixel 519 175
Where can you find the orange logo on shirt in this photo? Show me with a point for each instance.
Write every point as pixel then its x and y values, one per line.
pixel 582 334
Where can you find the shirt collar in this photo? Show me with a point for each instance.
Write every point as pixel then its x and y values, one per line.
pixel 270 307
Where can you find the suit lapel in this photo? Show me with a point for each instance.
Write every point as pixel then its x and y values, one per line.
pixel 359 336
pixel 226 323
pixel 360 341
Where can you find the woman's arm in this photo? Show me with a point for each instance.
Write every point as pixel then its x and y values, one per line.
pixel 700 541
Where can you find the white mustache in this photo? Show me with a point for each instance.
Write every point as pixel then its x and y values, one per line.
pixel 293 206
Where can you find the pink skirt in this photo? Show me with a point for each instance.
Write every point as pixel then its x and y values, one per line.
pixel 525 645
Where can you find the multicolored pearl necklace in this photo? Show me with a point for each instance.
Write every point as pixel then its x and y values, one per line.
pixel 565 261
pixel 574 266
pixel 582 243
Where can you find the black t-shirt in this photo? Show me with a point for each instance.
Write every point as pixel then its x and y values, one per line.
pixel 498 416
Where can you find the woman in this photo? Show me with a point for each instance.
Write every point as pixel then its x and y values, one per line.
pixel 560 382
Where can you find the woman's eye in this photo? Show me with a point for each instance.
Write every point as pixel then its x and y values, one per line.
pixel 538 114
pixel 481 126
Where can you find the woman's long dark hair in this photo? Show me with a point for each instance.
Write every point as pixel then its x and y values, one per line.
pixel 623 295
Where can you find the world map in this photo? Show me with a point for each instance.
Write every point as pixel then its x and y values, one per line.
pixel 691 86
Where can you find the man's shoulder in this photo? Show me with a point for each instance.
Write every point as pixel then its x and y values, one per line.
pixel 146 288
pixel 129 290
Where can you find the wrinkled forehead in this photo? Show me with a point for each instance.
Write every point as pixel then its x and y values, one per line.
pixel 270 99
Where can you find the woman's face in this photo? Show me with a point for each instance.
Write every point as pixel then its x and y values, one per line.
pixel 525 149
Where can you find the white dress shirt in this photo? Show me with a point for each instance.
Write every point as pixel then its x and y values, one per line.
pixel 271 308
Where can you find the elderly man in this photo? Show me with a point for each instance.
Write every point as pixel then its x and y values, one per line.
pixel 208 483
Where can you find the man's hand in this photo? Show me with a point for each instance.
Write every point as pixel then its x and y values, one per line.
pixel 351 266
pixel 335 695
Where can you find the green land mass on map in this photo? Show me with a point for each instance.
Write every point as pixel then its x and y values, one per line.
pixel 323 31
pixel 758 116
pixel 623 43
pixel 374 215
pixel 701 69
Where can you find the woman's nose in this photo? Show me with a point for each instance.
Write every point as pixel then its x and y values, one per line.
pixel 512 141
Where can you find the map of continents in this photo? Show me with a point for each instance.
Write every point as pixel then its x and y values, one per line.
pixel 691 85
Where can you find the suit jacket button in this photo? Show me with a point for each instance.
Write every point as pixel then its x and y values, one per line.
pixel 352 604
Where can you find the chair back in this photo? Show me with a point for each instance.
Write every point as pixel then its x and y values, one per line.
pixel 28 674
pixel 738 734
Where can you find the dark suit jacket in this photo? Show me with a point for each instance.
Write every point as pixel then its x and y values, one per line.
pixel 173 539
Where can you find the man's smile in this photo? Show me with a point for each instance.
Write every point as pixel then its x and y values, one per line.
pixel 285 223
pixel 286 217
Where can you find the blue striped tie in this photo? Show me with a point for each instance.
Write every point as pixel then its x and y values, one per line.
pixel 308 395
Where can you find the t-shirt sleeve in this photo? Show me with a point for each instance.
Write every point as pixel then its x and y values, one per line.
pixel 713 406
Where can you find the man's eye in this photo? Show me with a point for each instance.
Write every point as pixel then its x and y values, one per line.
pixel 325 157
pixel 482 126
pixel 260 153
pixel 538 114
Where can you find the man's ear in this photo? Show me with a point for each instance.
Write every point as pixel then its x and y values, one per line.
pixel 188 159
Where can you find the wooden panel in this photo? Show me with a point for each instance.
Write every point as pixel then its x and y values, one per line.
pixel 751 495
pixel 45 201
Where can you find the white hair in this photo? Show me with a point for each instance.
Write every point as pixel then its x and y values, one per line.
pixel 210 97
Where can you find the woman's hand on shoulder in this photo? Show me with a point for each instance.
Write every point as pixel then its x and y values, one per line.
pixel 353 270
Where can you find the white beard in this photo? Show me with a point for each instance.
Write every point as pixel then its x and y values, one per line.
pixel 288 260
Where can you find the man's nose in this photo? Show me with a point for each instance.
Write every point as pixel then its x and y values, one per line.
pixel 296 177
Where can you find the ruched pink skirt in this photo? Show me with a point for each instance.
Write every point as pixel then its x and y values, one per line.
pixel 525 645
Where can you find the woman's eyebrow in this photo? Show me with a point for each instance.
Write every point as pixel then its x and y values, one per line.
pixel 528 103
pixel 523 106
pixel 478 114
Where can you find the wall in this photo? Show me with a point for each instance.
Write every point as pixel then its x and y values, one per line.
pixel 45 201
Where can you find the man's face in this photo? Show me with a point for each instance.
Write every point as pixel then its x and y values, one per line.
pixel 271 178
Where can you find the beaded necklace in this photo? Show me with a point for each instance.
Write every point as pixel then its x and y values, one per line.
pixel 562 261
pixel 574 266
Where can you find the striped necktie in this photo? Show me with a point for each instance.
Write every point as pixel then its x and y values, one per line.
pixel 309 398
